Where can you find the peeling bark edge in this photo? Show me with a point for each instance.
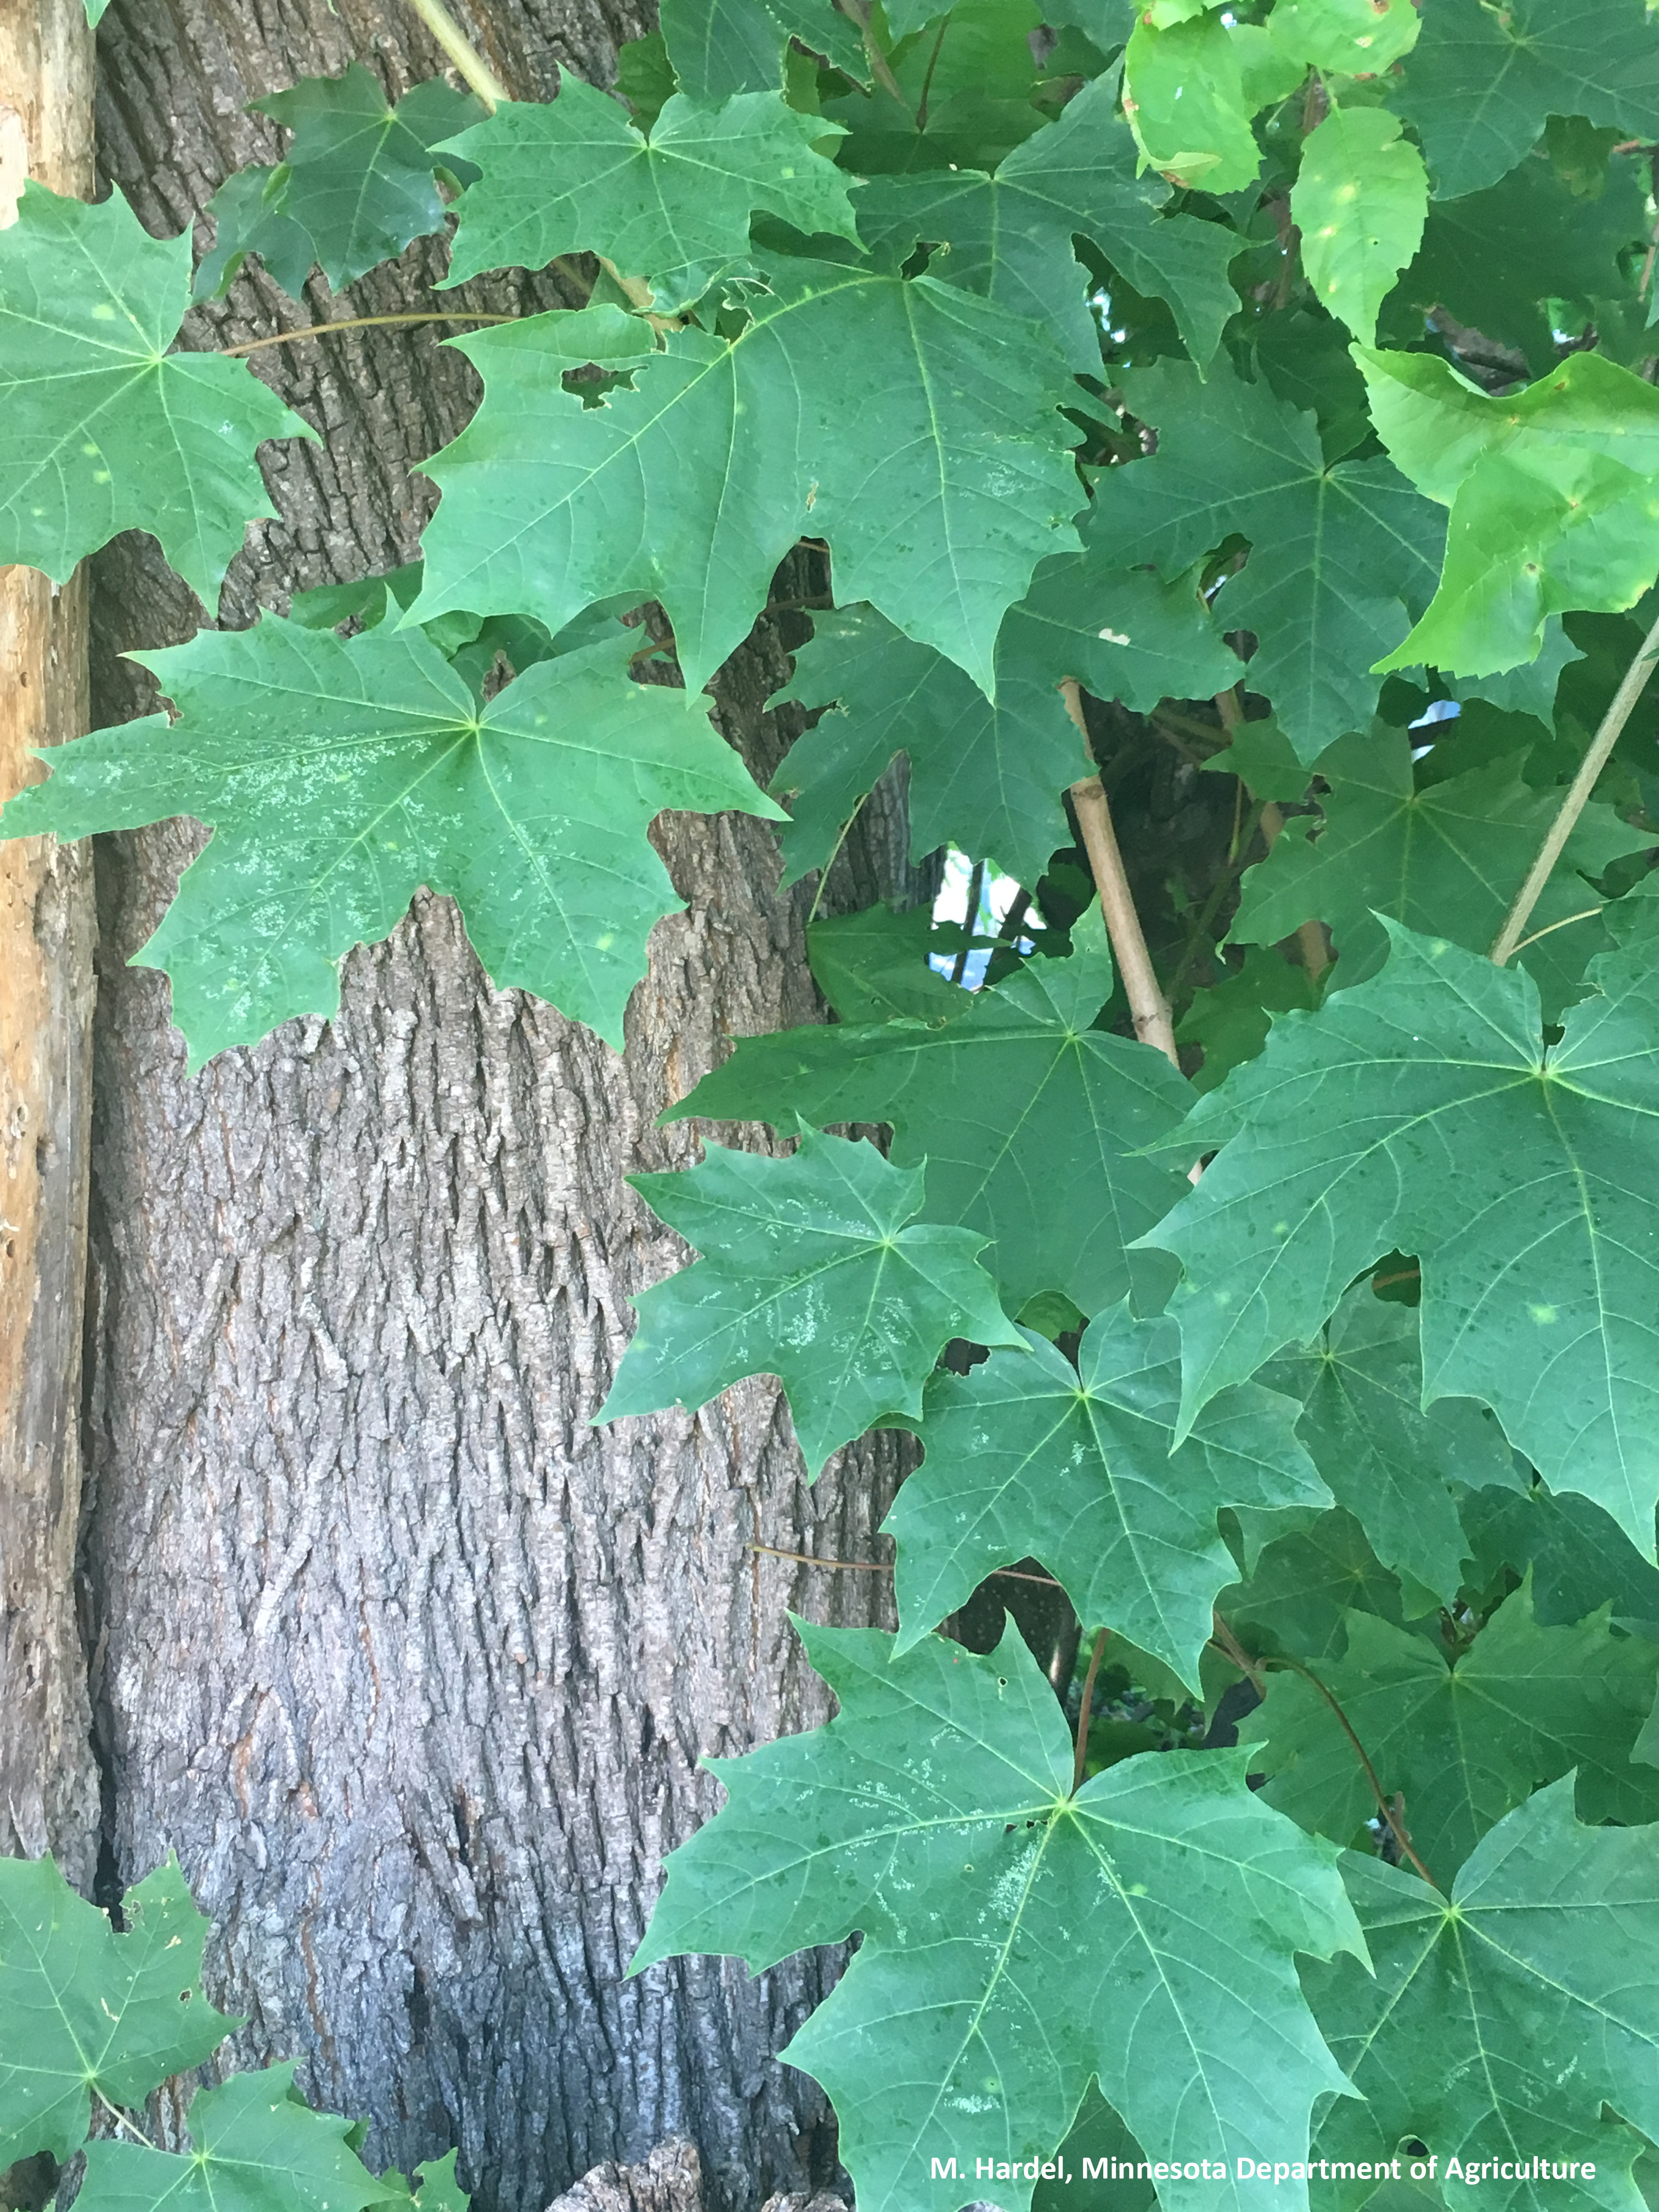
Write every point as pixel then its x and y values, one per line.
pixel 48 1788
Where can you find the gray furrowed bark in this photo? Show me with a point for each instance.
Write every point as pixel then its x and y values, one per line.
pixel 410 1664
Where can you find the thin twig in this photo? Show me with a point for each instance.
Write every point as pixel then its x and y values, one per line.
pixel 1148 1007
pixel 1080 1756
pixel 1578 792
pixel 969 921
pixel 1228 1644
pixel 806 1560
pixel 885 1566
pixel 467 60
pixel 354 323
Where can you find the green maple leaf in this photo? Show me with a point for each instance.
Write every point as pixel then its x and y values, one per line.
pixel 1423 1112
pixel 1359 199
pixel 1578 1557
pixel 1183 94
pixel 815 1270
pixel 1462 1744
pixel 341 775
pixel 1500 2020
pixel 1383 1457
pixel 576 176
pixel 986 775
pixel 1446 861
pixel 1230 1019
pixel 257 2147
pixel 1028 1456
pixel 719 47
pixel 87 2010
pixel 248 216
pixel 873 966
pixel 436 2188
pixel 1496 260
pixel 355 186
pixel 1141 1930
pixel 1348 38
pixel 1009 236
pixel 1481 84
pixel 1298 1594
pixel 106 430
pixel 1005 1097
pixel 1338 555
pixel 1550 494
pixel 938 504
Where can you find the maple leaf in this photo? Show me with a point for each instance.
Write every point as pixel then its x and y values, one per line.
pixel 1009 236
pixel 577 176
pixel 1141 1930
pixel 1390 1462
pixel 691 487
pixel 341 775
pixel 87 2011
pixel 986 774
pixel 815 1270
pixel 1461 1743
pixel 1077 1469
pixel 1424 1112
pixel 1502 2017
pixel 1005 1096
pixel 1338 554
pixel 106 430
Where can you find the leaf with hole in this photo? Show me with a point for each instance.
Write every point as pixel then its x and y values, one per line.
pixel 1340 555
pixel 1008 237
pixel 87 2012
pixel 1512 2020
pixel 937 505
pixel 1359 199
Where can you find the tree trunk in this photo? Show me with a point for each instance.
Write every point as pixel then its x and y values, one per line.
pixel 411 1665
pixel 48 1787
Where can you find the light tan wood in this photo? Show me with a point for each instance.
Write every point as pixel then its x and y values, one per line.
pixel 48 1787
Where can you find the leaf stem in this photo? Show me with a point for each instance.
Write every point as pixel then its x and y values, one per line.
pixel 885 1566
pixel 1228 1644
pixel 1618 713
pixel 354 323
pixel 1080 1756
pixel 858 11
pixel 120 2118
pixel 467 60
pixel 1565 923
pixel 1148 1007
pixel 834 855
